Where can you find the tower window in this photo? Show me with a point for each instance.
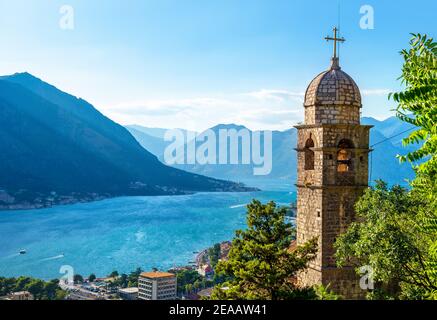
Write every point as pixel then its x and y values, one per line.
pixel 309 154
pixel 344 163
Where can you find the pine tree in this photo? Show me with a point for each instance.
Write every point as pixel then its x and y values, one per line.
pixel 261 264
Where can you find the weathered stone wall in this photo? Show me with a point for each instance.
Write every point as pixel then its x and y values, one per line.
pixel 326 140
pixel 332 114
pixel 325 200
pixel 337 214
pixel 309 221
pixel 344 282
pixel 310 277
pixel 359 136
pixel 309 177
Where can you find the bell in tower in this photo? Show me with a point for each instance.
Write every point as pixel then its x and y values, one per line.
pixel 333 149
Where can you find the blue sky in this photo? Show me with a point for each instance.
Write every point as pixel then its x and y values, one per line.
pixel 196 63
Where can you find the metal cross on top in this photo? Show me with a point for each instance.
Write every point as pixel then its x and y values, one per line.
pixel 335 39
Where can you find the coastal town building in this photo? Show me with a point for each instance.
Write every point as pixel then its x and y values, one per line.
pixel 205 270
pixel 128 293
pixel 157 285
pixel 83 294
pixel 333 149
pixel 18 296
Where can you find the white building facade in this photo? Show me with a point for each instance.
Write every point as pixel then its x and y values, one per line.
pixel 157 286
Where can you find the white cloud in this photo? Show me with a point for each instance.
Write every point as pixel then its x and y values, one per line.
pixel 166 106
pixel 273 109
pixel 263 109
pixel 375 92
pixel 280 95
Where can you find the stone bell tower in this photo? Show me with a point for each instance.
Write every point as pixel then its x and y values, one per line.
pixel 332 150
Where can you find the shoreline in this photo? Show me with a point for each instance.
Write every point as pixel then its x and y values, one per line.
pixel 39 206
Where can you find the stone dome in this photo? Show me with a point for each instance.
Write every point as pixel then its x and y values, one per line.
pixel 333 87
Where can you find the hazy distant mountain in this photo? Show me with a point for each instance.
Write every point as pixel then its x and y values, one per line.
pixel 282 168
pixel 243 171
pixel 151 143
pixel 283 158
pixel 391 127
pixel 153 132
pixel 384 166
pixel 58 148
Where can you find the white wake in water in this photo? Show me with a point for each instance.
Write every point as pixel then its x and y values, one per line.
pixel 237 206
pixel 53 258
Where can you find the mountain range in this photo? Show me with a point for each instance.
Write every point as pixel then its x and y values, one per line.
pixel 383 162
pixel 57 148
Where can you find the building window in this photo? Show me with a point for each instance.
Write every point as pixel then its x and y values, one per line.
pixel 309 154
pixel 344 163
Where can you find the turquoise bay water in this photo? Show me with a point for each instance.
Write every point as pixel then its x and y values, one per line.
pixel 124 233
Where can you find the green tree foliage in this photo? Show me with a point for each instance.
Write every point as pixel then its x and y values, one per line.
pixel 397 230
pixel 77 278
pixel 123 281
pixel 388 238
pixel 61 294
pixel 188 288
pixel 51 289
pixel 323 293
pixel 7 285
pixel 36 288
pixel 112 286
pixel 214 254
pixel 197 285
pixel 92 277
pixel 21 283
pixel 206 283
pixel 39 289
pixel 424 187
pixel 220 278
pixel 261 264
pixel 185 277
pixel 417 104
pixel 419 75
pixel 133 277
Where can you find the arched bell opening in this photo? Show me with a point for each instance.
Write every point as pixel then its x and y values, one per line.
pixel 309 154
pixel 344 156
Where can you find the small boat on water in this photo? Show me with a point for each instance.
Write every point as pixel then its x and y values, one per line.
pixel 23 251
